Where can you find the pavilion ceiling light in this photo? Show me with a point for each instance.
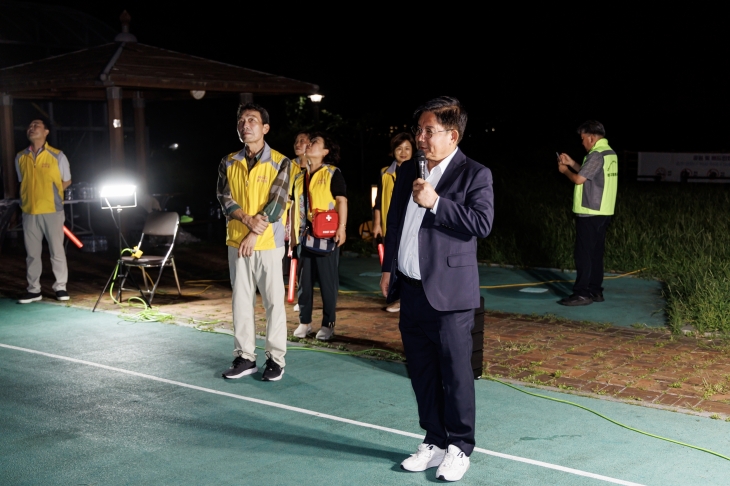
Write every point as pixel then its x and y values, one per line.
pixel 198 95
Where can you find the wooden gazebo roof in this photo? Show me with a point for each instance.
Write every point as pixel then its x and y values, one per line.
pixel 160 73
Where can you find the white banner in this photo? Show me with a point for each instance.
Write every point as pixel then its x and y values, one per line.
pixel 670 167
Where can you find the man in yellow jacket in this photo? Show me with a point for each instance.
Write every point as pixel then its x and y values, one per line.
pixel 253 189
pixel 44 174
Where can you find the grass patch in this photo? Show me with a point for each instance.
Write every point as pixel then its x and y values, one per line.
pixel 639 325
pixel 516 347
pixel 677 231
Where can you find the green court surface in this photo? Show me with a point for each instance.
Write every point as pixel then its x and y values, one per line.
pixel 89 399
pixel 628 300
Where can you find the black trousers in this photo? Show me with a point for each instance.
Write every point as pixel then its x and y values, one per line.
pixel 438 348
pixel 316 266
pixel 590 244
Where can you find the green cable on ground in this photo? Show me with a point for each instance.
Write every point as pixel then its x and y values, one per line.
pixel 155 314
pixel 305 347
pixel 343 353
pixel 612 421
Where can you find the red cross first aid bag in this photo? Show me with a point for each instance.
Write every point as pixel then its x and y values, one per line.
pixel 325 223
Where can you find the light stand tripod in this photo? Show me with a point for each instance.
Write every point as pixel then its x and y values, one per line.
pixel 121 271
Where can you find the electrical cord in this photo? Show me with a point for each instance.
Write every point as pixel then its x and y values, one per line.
pixel 702 449
pixel 148 314
pixel 390 354
pixel 527 284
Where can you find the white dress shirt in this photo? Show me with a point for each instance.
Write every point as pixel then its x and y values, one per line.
pixel 408 251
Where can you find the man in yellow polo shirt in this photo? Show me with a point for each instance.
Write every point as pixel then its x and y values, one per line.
pixel 253 187
pixel 44 174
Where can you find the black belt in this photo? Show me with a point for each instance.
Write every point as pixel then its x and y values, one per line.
pixel 413 282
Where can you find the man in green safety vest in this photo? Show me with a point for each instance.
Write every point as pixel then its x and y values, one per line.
pixel 594 200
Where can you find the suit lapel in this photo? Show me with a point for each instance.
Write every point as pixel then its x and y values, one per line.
pixel 455 168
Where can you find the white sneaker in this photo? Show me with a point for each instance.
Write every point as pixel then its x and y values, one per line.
pixel 296 307
pixel 325 333
pixel 303 330
pixel 427 456
pixel 394 307
pixel 454 465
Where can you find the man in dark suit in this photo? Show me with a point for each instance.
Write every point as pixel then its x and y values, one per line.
pixel 430 263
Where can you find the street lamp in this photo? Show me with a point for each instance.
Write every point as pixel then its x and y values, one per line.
pixel 316 99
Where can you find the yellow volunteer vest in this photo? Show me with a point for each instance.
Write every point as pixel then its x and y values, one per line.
pixel 251 191
pixel 610 183
pixel 322 198
pixel 387 175
pixel 319 188
pixel 41 188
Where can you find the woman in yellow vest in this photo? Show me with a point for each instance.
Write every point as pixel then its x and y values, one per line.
pixel 402 148
pixel 321 187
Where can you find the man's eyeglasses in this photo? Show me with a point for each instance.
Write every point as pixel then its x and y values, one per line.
pixel 417 131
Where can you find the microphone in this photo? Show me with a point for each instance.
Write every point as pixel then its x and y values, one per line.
pixel 421 161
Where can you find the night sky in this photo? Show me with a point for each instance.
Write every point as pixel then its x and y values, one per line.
pixel 657 80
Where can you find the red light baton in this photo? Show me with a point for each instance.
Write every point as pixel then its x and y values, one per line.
pixel 292 280
pixel 381 249
pixel 72 237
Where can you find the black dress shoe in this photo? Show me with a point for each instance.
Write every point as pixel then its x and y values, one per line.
pixel 597 297
pixel 574 300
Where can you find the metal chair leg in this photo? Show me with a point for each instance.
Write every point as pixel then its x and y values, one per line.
pixel 144 277
pixel 154 289
pixel 174 270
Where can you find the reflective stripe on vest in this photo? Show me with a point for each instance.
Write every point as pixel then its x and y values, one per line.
pixel 251 191
pixel 610 183
pixel 41 188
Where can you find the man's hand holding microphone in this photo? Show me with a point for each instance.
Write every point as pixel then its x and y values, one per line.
pixel 423 192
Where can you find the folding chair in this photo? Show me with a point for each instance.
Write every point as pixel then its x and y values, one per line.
pixel 157 224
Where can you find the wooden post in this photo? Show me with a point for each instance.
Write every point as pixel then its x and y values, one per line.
pixel 7 139
pixel 116 130
pixel 140 144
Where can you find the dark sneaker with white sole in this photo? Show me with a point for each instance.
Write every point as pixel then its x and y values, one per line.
pixel 240 367
pixel 272 370
pixel 62 295
pixel 574 299
pixel 597 297
pixel 29 297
